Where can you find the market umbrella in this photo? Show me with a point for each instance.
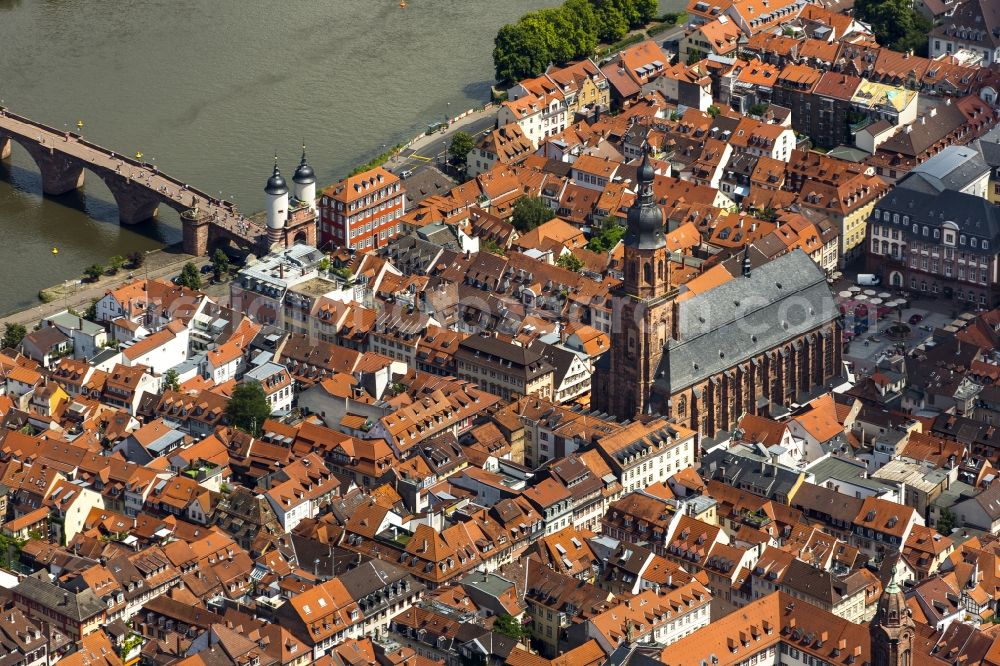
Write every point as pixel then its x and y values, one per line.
pixel 875 301
pixel 846 294
pixel 855 288
pixel 860 297
pixel 870 292
pixel 885 294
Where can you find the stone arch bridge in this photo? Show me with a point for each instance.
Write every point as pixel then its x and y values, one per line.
pixel 139 188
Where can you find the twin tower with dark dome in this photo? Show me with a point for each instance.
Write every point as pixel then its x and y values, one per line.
pixel 303 192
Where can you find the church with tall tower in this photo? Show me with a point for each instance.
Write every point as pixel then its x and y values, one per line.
pixel 763 337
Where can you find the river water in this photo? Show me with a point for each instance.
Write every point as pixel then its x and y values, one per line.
pixel 209 91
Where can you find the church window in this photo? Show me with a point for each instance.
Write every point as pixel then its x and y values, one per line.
pixel 662 271
pixel 648 273
pixel 682 405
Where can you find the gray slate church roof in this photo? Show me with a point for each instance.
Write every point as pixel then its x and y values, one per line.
pixel 744 317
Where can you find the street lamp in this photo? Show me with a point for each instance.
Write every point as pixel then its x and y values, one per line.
pixel 447 118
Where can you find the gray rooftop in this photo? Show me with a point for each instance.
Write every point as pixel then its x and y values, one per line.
pixel 745 317
pixel 80 606
pixel 68 321
pixel 839 469
pixel 954 168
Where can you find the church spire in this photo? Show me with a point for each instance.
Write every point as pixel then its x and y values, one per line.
pixel 892 628
pixel 645 219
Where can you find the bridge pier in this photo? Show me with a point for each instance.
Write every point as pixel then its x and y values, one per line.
pixel 195 226
pixel 135 202
pixel 60 173
pixel 4 147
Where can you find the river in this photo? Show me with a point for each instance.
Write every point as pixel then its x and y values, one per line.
pixel 209 91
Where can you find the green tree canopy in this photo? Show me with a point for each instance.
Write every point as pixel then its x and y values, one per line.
pixel 946 522
pixel 508 625
pixel 612 23
pixel 220 264
pixel 570 262
pixel 461 144
pixel 136 259
pixel 607 236
pixel 13 334
pixel 116 263
pixel 190 277
pixel 248 408
pixel 529 212
pixel 171 380
pixel 561 34
pixel 896 24
pixel 523 49
pixel 94 272
pixel 647 9
pixel 573 38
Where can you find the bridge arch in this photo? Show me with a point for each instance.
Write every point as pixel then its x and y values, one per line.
pixel 138 188
pixel 61 173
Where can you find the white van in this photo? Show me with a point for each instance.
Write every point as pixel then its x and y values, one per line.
pixel 868 280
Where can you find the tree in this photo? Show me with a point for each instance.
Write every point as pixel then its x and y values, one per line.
pixel 612 24
pixel 757 109
pixel 13 334
pixel 91 311
pixel 171 380
pixel 94 272
pixel 491 246
pixel 713 111
pixel 190 277
pixel 461 145
pixel 220 264
pixel 508 625
pixel 607 237
pixel 570 262
pixel 524 49
pixel 529 212
pixel 647 10
pixel 573 38
pixel 136 259
pixel 116 263
pixel 946 521
pixel 896 24
pixel 582 14
pixel 767 213
pixel 247 408
pixel 695 56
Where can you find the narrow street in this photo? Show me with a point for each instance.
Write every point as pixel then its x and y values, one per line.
pixel 433 149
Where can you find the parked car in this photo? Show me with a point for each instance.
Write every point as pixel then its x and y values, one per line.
pixel 405 174
pixel 206 269
pixel 916 319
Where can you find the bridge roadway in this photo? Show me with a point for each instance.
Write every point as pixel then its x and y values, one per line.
pixel 138 187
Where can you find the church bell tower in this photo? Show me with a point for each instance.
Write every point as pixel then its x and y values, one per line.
pixel 892 628
pixel 642 309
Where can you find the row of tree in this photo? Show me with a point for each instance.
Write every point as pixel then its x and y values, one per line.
pixel 561 34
